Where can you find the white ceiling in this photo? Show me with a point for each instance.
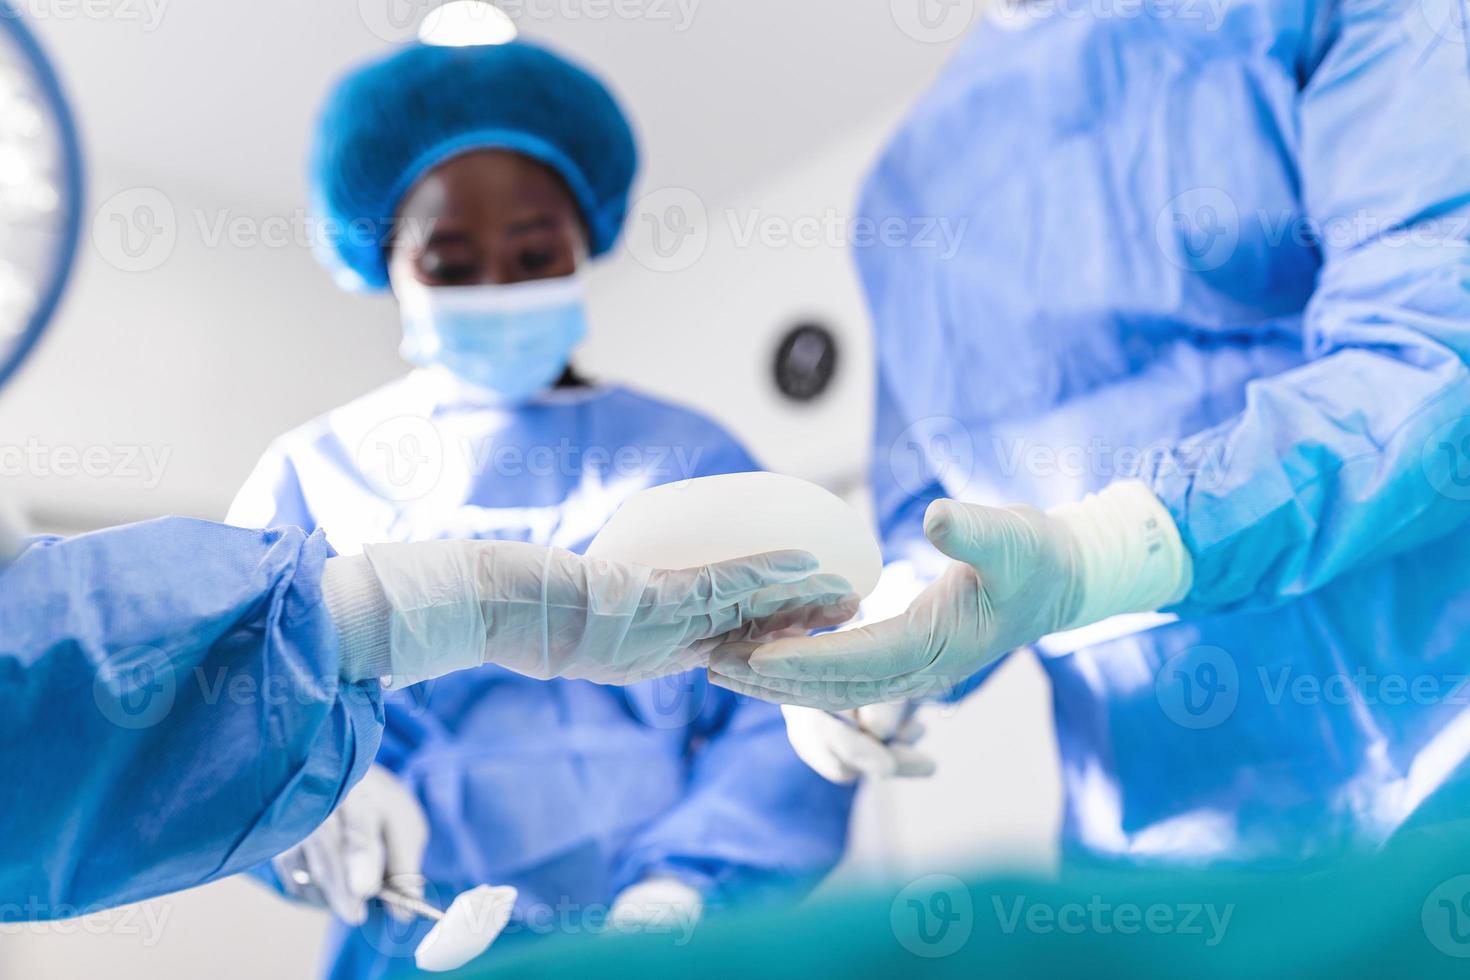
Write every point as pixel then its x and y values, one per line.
pixel 766 106
pixel 224 93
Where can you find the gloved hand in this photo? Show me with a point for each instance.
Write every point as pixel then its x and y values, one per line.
pixel 418 611
pixel 1018 575
pixel 378 832
pixel 655 905
pixel 874 742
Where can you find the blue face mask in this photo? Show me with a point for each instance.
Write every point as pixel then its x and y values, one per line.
pixel 513 341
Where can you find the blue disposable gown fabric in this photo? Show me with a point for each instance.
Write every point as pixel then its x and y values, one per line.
pixel 568 790
pixel 170 711
pixel 1225 253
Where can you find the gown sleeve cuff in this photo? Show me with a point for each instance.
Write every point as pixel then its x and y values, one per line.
pixel 1132 556
pixel 360 610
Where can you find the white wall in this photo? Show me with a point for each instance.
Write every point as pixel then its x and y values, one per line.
pixel 205 356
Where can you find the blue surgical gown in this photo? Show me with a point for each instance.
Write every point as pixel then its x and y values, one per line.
pixel 1224 252
pixel 170 711
pixel 568 790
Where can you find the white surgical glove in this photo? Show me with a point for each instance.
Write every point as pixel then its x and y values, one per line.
pixel 1018 574
pixel 875 742
pixel 662 904
pixel 378 833
pixel 418 611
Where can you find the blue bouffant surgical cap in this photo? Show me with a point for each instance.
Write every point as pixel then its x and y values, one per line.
pixel 389 122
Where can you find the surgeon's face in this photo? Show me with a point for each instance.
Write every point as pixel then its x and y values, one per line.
pixel 491 217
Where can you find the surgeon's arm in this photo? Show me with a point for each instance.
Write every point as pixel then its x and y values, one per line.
pixel 904 483
pixel 1360 454
pixel 901 474
pixel 1364 452
pixel 754 818
pixel 170 711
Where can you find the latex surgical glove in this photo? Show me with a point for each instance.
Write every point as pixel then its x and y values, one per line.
pixel 413 612
pixel 1017 575
pixel 875 742
pixel 662 904
pixel 378 833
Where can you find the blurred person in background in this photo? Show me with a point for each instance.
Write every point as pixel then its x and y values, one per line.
pixel 492 176
pixel 1212 310
pixel 181 700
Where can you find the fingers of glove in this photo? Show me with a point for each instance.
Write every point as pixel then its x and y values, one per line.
pixel 878 651
pixel 770 633
pixel 738 678
pixel 910 763
pixel 290 868
pixel 762 692
pixel 365 856
pixel 818 599
pixel 710 588
pixel 864 754
pixel 405 836
pixel 326 862
pixel 997 542
pixel 814 727
pixel 826 735
pixel 884 721
pixel 821 760
pixel 800 620
pixel 813 591
pixel 940 640
pixel 911 732
pixel 811 736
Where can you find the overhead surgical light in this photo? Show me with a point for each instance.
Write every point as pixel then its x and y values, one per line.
pixel 463 22
pixel 40 191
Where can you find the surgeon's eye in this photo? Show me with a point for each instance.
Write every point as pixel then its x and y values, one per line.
pixel 539 261
pixel 447 270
